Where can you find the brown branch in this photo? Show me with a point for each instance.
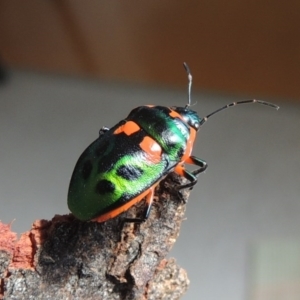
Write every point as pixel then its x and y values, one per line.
pixel 68 259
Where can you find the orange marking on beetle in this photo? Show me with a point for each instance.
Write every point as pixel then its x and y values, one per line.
pixel 189 161
pixel 152 148
pixel 179 169
pixel 115 212
pixel 128 128
pixel 174 114
pixel 189 145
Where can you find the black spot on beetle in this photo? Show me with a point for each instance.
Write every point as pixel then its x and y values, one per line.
pixel 180 152
pixel 129 173
pixel 87 169
pixel 101 149
pixel 104 186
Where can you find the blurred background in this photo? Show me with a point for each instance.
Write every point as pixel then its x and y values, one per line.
pixel 70 67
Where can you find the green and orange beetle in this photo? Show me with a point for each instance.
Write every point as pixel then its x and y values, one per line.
pixel 126 162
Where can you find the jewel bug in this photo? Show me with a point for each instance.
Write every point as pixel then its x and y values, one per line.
pixel 126 162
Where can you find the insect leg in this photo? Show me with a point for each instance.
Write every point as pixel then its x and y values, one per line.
pixel 193 160
pixel 180 170
pixel 190 176
pixel 149 201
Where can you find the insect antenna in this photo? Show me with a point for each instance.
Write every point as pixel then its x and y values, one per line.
pixel 236 103
pixel 190 78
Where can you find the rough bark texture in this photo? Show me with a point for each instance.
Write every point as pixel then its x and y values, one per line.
pixel 68 259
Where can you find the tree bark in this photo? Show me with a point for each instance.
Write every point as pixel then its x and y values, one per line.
pixel 69 259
